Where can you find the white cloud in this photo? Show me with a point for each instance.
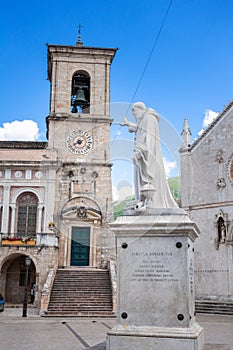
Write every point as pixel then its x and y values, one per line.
pixel 169 166
pixel 200 132
pixel 209 117
pixel 26 130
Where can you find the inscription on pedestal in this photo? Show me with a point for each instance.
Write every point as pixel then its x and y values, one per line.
pixel 154 281
pixel 152 267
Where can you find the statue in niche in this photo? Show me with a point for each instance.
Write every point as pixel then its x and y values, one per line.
pixel 221 225
pixel 221 231
pixel 151 187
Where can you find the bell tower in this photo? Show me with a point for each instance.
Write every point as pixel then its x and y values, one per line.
pixel 79 131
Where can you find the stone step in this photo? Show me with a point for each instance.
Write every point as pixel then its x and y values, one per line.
pixel 80 301
pixel 77 282
pixel 76 299
pixel 80 314
pixel 92 283
pixel 67 270
pixel 86 285
pixel 83 290
pixel 79 310
pixel 87 293
pixel 78 307
pixel 81 296
pixel 82 272
pixel 214 307
pixel 82 275
pixel 70 282
pixel 78 292
pixel 79 278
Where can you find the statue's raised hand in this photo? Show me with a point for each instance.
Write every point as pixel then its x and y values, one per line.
pixel 124 122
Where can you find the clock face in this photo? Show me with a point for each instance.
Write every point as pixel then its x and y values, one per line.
pixel 79 142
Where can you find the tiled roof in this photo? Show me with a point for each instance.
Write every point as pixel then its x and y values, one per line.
pixel 23 144
pixel 214 122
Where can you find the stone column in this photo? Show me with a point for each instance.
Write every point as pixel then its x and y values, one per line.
pixel 12 230
pixel 155 301
pixel 5 210
pixel 39 223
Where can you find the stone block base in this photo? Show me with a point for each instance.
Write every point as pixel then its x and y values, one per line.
pixel 155 338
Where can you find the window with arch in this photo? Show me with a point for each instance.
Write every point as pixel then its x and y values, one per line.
pixel 80 93
pixel 27 205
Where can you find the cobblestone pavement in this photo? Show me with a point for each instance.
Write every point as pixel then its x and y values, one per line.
pixel 38 333
pixel 218 331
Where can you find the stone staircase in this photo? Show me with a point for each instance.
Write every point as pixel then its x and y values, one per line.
pixel 81 292
pixel 214 307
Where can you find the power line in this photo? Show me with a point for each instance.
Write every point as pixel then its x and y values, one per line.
pixel 151 52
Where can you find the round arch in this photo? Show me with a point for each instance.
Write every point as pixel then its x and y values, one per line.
pixel 80 204
pixel 24 190
pixel 80 92
pixel 82 71
pixel 13 277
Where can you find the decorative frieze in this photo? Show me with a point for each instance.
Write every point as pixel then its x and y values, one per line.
pixel 219 156
pixel 230 169
pixel 21 174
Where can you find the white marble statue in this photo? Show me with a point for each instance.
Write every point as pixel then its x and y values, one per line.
pixel 151 185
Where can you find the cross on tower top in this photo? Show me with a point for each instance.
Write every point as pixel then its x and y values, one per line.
pixel 79 42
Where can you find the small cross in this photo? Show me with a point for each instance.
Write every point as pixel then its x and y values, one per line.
pixel 79 29
pixel 79 34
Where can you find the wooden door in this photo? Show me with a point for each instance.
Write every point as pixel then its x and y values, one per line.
pixel 80 246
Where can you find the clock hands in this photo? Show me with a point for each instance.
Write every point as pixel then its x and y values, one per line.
pixel 78 142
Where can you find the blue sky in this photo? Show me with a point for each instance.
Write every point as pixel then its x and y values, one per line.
pixel 189 72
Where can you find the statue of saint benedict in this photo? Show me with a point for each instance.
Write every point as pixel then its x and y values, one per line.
pixel 151 185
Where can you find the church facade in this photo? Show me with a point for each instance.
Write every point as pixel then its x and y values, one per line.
pixel 56 196
pixel 207 194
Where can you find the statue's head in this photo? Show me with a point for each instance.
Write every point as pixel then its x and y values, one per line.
pixel 138 109
pixel 140 105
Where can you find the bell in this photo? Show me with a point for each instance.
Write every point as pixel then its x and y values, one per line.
pixel 80 98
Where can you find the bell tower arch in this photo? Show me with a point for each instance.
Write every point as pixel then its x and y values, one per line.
pixel 80 93
pixel 64 62
pixel 79 131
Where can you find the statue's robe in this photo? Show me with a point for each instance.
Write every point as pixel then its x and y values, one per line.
pixel 149 165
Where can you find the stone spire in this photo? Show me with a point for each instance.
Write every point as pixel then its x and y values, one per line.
pixel 186 134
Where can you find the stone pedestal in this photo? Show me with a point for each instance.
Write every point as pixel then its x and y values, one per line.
pixel 155 303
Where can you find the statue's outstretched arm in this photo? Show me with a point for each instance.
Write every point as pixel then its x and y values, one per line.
pixel 132 126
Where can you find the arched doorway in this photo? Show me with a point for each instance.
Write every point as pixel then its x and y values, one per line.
pixel 13 278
